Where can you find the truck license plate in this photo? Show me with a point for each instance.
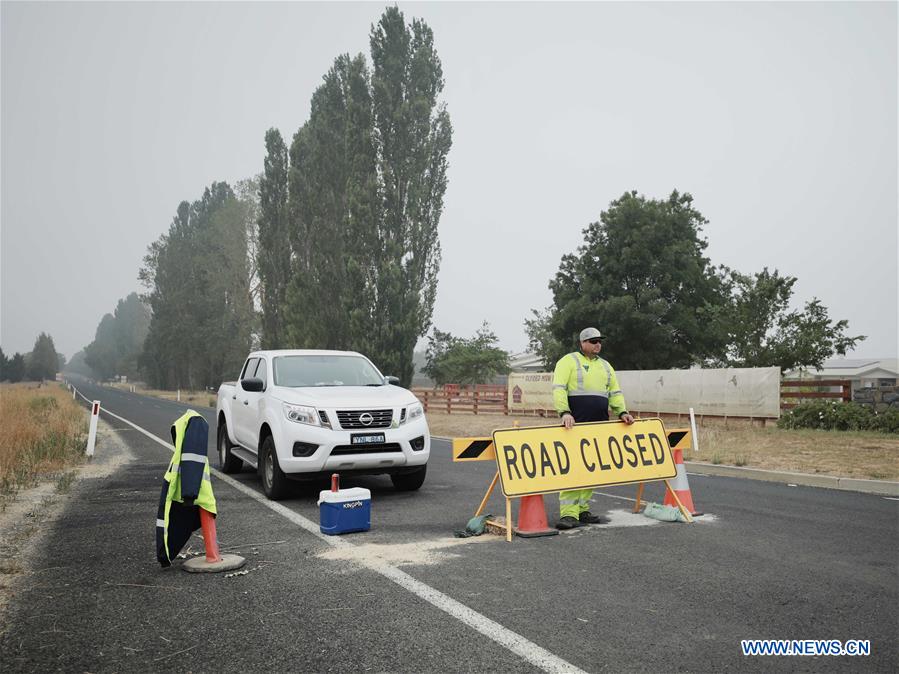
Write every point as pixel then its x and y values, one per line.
pixel 367 439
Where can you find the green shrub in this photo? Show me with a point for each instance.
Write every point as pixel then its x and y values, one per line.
pixel 886 422
pixel 835 416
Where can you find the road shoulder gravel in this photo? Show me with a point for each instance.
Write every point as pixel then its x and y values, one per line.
pixel 28 518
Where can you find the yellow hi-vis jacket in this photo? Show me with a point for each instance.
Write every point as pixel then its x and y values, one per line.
pixel 587 387
pixel 186 486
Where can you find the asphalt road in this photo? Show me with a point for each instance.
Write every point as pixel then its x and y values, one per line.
pixel 767 561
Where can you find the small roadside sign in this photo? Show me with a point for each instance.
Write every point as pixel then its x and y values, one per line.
pixel 680 438
pixel 548 459
pixel 473 449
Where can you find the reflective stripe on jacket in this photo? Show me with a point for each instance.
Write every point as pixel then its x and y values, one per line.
pixel 588 388
pixel 187 478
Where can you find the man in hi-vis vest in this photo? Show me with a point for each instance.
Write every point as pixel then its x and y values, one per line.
pixel 186 487
pixel 585 388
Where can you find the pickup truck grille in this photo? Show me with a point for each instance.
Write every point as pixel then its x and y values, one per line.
pixel 350 418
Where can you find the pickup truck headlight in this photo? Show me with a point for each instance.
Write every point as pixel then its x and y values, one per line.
pixel 414 411
pixel 301 414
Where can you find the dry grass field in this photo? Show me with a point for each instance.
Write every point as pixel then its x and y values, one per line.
pixel 841 453
pixel 42 432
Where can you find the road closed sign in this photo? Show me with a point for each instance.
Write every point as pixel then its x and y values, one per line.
pixel 552 458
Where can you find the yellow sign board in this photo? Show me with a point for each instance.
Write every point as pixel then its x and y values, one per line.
pixel 547 459
pixel 473 449
pixel 680 438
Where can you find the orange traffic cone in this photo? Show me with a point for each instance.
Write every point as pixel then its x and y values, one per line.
pixel 681 486
pixel 214 561
pixel 532 518
pixel 207 522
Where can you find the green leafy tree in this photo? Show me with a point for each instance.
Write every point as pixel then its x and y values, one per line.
pixel 365 194
pixel 541 339
pixel 43 362
pixel 226 334
pixel 763 332
pixel 119 339
pixel 464 361
pixel 4 366
pixel 641 278
pixel 439 346
pixel 198 281
pixel 334 210
pixel 273 252
pixel 132 321
pixel 101 355
pixel 78 365
pixel 414 136
pixel 15 369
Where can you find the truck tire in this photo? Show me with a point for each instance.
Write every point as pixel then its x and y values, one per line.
pixel 274 482
pixel 409 481
pixel 228 463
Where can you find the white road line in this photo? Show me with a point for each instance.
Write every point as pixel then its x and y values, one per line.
pixel 528 650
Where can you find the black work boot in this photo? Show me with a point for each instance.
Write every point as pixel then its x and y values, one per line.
pixel 590 518
pixel 568 522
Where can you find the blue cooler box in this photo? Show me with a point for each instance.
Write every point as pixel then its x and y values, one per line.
pixel 345 510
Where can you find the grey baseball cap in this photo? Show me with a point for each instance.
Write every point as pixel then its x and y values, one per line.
pixel 590 333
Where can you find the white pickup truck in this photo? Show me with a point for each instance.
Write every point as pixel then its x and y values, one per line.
pixel 303 414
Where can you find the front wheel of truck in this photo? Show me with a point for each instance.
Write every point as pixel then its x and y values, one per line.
pixel 409 481
pixel 274 482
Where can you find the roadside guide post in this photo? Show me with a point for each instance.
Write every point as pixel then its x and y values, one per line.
pixel 693 431
pixel 92 430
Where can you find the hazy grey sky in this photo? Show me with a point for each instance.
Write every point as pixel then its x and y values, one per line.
pixel 779 118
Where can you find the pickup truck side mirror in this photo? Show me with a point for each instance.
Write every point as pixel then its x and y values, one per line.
pixel 252 384
pixel 392 380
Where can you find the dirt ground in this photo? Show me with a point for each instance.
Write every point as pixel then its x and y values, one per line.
pixel 739 443
pixel 28 514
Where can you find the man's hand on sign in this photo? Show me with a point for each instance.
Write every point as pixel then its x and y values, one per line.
pixel 567 420
pixel 627 418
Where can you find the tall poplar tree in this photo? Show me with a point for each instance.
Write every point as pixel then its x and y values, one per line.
pixel 198 290
pixel 273 252
pixel 414 136
pixel 365 194
pixel 334 209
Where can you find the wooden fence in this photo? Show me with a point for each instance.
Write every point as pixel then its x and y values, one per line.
pixel 492 399
pixel 797 390
pixel 483 399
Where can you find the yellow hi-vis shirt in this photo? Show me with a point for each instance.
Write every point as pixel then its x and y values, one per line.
pixel 587 387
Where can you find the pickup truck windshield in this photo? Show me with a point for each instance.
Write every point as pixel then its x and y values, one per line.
pixel 325 371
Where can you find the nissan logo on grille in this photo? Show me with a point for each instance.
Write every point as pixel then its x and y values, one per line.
pixel 365 418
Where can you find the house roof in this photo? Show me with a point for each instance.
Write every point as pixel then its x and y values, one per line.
pixel 852 368
pixel 524 361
